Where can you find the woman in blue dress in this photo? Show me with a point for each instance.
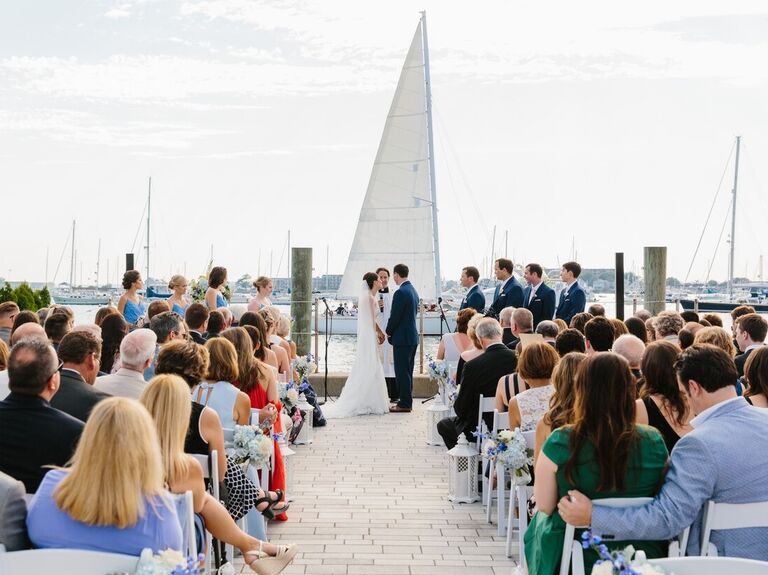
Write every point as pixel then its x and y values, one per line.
pixel 130 304
pixel 178 301
pixel 217 279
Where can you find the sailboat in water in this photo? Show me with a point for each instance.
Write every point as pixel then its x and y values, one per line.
pixel 398 218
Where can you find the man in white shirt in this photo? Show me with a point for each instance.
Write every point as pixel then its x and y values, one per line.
pixel 136 353
pixel 750 333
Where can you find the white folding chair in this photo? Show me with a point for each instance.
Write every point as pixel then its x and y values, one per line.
pixel 719 516
pixel 185 509
pixel 66 562
pixel 500 420
pixel 523 493
pixel 708 565
pixel 210 465
pixel 573 555
pixel 485 405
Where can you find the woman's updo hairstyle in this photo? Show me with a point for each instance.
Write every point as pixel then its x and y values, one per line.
pixel 130 277
pixel 369 278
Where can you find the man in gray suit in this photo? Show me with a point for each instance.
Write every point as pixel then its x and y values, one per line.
pixel 13 514
pixel 723 459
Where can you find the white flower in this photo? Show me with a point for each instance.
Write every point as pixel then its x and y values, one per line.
pixel 647 569
pixel 506 435
pixel 604 568
pixel 292 396
pixel 170 558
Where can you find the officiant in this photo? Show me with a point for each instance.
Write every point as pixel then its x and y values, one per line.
pixel 387 360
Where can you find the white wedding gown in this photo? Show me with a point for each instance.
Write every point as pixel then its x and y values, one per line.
pixel 365 392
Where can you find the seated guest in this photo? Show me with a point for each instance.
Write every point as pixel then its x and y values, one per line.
pixel 479 378
pixel 580 320
pixel 8 312
pixel 561 325
pixel 167 326
pixel 718 337
pixel 560 410
pixel 475 351
pixel 618 327
pixel 548 330
pixel 689 316
pixel 667 325
pixel 685 338
pixel 662 403
pixel 136 352
pixel 228 317
pixel 570 340
pixel 630 348
pixel 33 433
pixel 216 324
pixel 522 322
pixel 452 344
pixel 283 363
pixel 713 319
pixel 722 459
pixel 505 319
pixel 283 331
pixel 102 313
pixel 13 513
pixel 643 314
pixel 535 366
pixel 113 329
pixel 603 453
pixel 79 352
pixel 636 327
pixel 105 502
pixel 196 318
pixel 750 332
pixel 157 307
pixel 24 316
pixel 57 325
pixel 25 330
pixel 650 329
pixel 262 350
pixel 596 309
pixel 598 333
pixel 756 378
pixel 4 352
pixel 218 390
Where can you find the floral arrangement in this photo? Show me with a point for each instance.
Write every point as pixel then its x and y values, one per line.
pixel 303 365
pixel 251 445
pixel 509 449
pixel 439 371
pixel 616 562
pixel 168 562
pixel 289 394
pixel 199 285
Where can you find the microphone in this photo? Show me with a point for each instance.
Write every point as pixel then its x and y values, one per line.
pixel 439 299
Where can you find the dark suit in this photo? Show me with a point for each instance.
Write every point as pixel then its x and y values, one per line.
pixel 474 299
pixel 197 337
pixel 542 306
pixel 481 376
pixel 402 334
pixel 76 397
pixel 510 293
pixel 572 301
pixel 33 434
pixel 741 360
pixel 515 341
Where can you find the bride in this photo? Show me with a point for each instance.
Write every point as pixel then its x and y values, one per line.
pixel 365 391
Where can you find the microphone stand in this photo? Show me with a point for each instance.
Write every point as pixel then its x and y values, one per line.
pixel 442 317
pixel 328 314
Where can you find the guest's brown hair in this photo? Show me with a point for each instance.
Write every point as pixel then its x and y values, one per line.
pixel 196 316
pixel 77 345
pixel 183 358
pixel 561 401
pixel 463 317
pixel 156 307
pixel 223 360
pixel 102 313
pixel 756 372
pixel 754 325
pixel 537 361
pixel 580 320
pixel 716 336
pixel 659 377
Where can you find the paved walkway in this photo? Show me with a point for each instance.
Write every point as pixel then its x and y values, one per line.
pixel 370 497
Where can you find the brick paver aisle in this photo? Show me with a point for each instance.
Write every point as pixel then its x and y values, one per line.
pixel 370 498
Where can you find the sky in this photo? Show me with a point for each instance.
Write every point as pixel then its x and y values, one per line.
pixel 575 129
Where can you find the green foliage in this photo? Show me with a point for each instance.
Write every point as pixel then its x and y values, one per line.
pixel 25 297
pixel 6 293
pixel 42 298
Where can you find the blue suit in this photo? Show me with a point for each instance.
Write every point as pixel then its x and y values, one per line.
pixel 402 334
pixel 542 306
pixel 723 459
pixel 510 293
pixel 474 298
pixel 572 301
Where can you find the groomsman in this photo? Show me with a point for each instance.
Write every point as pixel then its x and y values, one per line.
pixel 572 298
pixel 387 362
pixel 474 297
pixel 539 297
pixel 509 292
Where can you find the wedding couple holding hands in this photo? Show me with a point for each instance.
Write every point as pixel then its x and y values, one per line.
pixel 386 328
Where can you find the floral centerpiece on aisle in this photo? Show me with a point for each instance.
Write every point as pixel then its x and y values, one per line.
pixel 289 395
pixel 509 449
pixel 303 366
pixel 250 445
pixel 168 562
pixel 616 562
pixel 439 371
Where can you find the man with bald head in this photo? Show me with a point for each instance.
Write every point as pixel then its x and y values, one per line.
pixel 24 330
pixel 631 348
pixel 34 434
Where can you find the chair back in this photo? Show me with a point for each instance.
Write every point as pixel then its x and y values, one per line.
pixel 500 421
pixel 530 439
pixel 710 565
pixel 572 557
pixel 66 562
pixel 485 405
pixel 185 509
pixel 718 516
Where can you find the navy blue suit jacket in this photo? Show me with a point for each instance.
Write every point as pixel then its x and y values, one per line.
pixel 401 327
pixel 542 306
pixel 511 295
pixel 571 303
pixel 474 299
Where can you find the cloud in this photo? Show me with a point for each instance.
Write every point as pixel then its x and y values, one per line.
pixel 119 12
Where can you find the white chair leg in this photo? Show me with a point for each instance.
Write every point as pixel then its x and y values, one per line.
pixel 488 493
pixel 501 492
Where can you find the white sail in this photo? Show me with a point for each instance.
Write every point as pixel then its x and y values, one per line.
pixel 396 220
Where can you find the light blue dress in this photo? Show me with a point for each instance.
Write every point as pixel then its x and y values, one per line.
pixel 50 527
pixel 221 301
pixel 178 309
pixel 133 311
pixel 220 397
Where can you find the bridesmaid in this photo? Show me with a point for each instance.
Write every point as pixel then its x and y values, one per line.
pixel 263 286
pixel 217 279
pixel 130 304
pixel 178 301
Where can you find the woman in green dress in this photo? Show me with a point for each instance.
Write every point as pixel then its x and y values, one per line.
pixel 603 453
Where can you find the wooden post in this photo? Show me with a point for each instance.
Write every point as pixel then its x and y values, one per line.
pixel 301 298
pixel 655 278
pixel 421 336
pixel 620 286
pixel 317 332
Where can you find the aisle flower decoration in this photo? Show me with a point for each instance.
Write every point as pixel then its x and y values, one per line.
pixel 250 445
pixel 509 449
pixel 439 371
pixel 289 395
pixel 616 562
pixel 303 365
pixel 168 562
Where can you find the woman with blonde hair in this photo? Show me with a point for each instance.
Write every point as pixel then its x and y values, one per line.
pixel 178 300
pixel 4 352
pixel 718 337
pixel 167 400
pixel 283 331
pixel 263 286
pixel 112 498
pixel 268 314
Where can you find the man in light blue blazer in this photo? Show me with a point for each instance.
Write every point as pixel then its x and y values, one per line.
pixel 723 459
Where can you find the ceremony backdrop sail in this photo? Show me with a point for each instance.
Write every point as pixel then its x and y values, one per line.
pixel 398 218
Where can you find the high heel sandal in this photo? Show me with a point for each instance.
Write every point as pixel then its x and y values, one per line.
pixel 269 511
pixel 265 564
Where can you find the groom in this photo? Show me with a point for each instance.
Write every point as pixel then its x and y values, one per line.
pixel 402 334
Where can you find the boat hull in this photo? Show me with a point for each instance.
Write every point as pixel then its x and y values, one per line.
pixel 719 306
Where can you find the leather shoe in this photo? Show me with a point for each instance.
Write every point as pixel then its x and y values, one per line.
pixel 398 409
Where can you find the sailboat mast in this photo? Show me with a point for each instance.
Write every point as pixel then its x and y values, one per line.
pixel 149 211
pixel 98 263
pixel 431 153
pixel 733 218
pixel 72 259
